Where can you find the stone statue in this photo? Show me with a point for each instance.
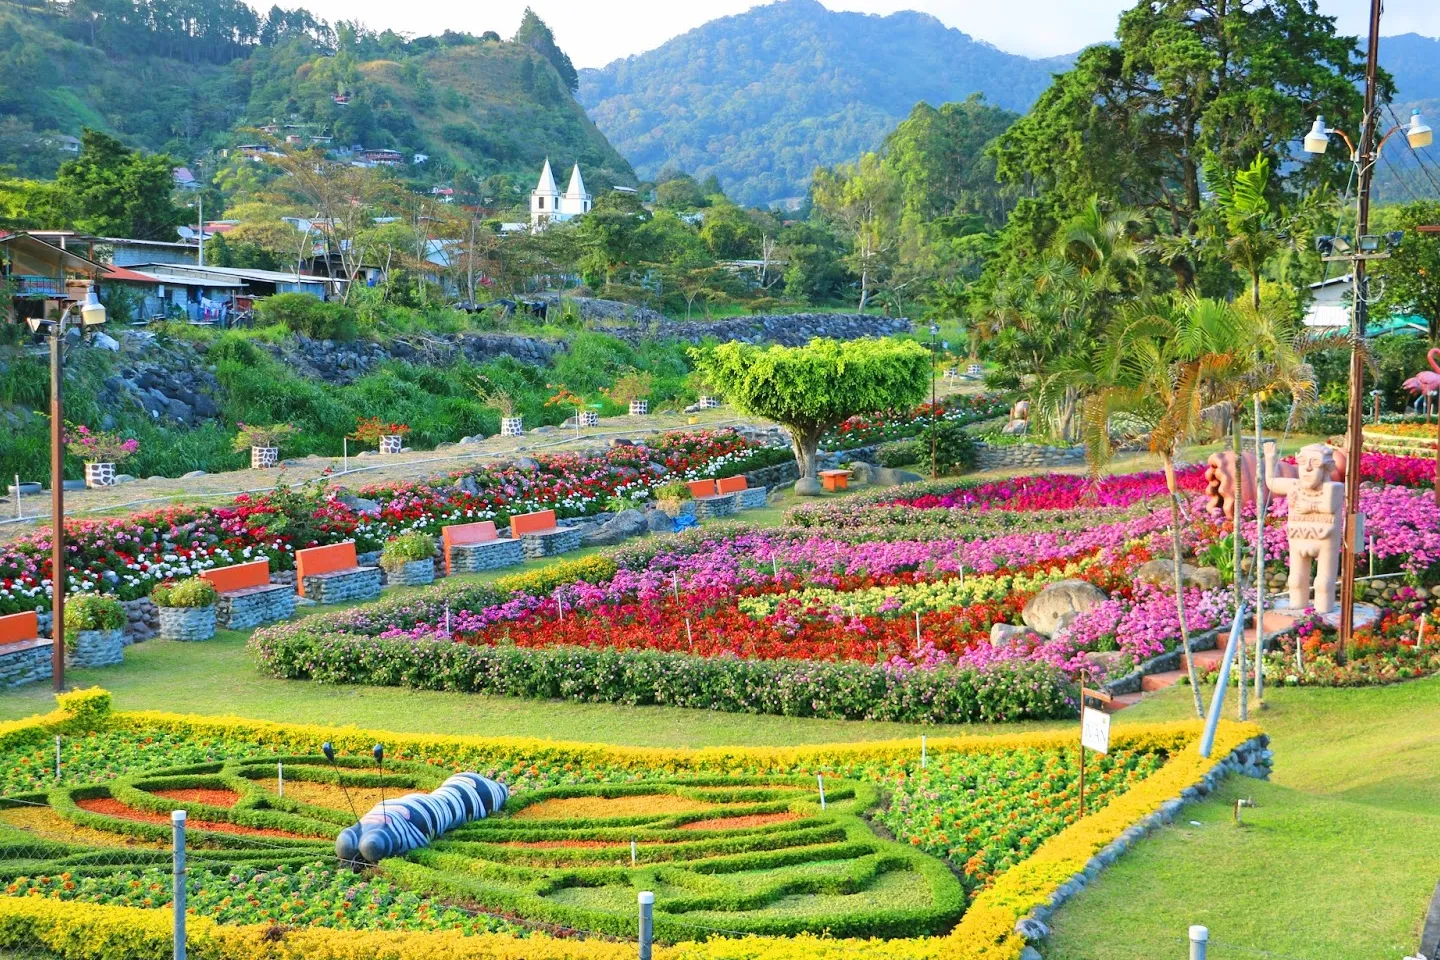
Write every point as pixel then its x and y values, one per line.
pixel 1229 481
pixel 1315 525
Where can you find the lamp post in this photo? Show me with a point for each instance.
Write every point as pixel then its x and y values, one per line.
pixel 1366 248
pixel 92 313
pixel 934 413
pixel 200 226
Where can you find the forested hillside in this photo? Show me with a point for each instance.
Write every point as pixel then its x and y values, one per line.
pixel 190 81
pixel 761 99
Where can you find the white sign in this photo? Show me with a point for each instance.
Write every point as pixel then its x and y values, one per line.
pixel 1095 730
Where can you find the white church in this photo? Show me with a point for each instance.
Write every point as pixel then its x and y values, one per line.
pixel 548 204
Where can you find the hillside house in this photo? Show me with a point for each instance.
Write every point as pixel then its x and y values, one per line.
pixel 43 280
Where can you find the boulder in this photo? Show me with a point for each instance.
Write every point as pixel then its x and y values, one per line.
pixel 622 526
pixel 1005 634
pixel 863 472
pixel 124 478
pixel 1015 428
pixel 892 476
pixel 360 504
pixel 658 521
pixel 808 487
pixel 527 464
pixel 1161 571
pixel 1059 603
pixel 105 342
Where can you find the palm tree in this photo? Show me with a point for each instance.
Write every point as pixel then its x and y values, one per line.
pixel 1253 232
pixel 1159 365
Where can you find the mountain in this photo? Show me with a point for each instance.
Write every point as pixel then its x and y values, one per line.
pixel 1414 63
pixel 762 98
pixel 476 105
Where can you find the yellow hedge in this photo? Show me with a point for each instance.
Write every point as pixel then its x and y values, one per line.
pixel 77 931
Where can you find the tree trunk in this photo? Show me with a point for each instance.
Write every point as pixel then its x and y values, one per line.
pixel 806 444
pixel 1180 581
pixel 1240 555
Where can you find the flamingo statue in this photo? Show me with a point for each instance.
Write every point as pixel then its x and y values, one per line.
pixel 1427 382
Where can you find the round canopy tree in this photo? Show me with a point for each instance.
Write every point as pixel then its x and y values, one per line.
pixel 812 389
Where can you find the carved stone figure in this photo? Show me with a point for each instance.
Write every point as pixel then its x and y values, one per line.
pixel 1315 525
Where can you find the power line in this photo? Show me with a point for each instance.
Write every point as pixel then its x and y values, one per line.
pixel 1399 179
pixel 1419 157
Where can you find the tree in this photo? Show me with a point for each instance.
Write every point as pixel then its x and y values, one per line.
pixel 1249 228
pixel 1410 279
pixel 1132 121
pixel 536 35
pixel 862 200
pixel 1158 366
pixel 118 192
pixel 812 389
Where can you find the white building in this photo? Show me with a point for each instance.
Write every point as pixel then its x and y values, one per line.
pixel 1330 306
pixel 548 204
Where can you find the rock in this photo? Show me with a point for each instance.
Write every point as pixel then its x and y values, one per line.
pixel 658 521
pixel 105 342
pixel 192 474
pixel 467 485
pixel 808 487
pixel 543 430
pixel 863 472
pixel 1031 929
pixel 1161 571
pixel 1005 634
pixel 360 504
pixel 1015 428
pixel 622 526
pixel 527 464
pixel 205 406
pixel 1030 953
pixel 893 477
pixel 1059 603
pixel 124 478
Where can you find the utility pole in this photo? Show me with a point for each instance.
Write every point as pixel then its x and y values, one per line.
pixel 1355 444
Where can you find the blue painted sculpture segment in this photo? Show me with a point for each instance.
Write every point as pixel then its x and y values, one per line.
pixel 395 827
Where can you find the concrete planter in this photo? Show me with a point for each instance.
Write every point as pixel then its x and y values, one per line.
pixel 99 475
pixel 415 573
pixel 677 508
pixel 392 444
pixel 709 403
pixel 639 408
pixel 187 623
pixel 95 648
pixel 512 426
pixel 264 458
pixel 589 418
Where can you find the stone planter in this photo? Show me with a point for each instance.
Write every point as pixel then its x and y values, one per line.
pixel 590 418
pixel 677 508
pixel 264 458
pixel 95 648
pixel 392 444
pixel 415 573
pixel 99 475
pixel 639 408
pixel 512 426
pixel 709 403
pixel 187 623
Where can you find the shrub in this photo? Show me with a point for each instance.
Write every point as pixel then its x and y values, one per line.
pixel 251 435
pixel 195 593
pixel 371 429
pixel 674 490
pixel 94 446
pixel 900 453
pixel 307 314
pixel 407 548
pixel 955 448
pixel 93 611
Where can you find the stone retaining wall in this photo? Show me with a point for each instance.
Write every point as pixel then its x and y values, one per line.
pixel 26 663
pixel 187 623
pixel 247 609
pixel 791 330
pixel 1025 455
pixel 363 583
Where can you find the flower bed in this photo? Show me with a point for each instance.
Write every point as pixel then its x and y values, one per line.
pixel 127 557
pixel 735 842
pixel 865 430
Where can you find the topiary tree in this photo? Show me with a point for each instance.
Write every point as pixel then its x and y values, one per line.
pixel 811 389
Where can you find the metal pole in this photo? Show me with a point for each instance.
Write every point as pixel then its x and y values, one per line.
pixel 934 464
pixel 1355 439
pixel 177 822
pixel 19 510
pixel 57 746
pixel 647 923
pixel 1199 942
pixel 1212 719
pixel 1239 557
pixel 57 509
pixel 1262 497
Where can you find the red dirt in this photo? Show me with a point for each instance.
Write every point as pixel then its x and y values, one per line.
pixel 733 823
pixel 210 796
pixel 110 807
pixel 561 844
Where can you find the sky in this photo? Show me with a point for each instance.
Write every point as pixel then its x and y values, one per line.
pixel 595 32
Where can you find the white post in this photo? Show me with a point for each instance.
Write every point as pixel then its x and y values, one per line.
pixel 1199 942
pixel 632 853
pixel 676 574
pixel 280 777
pixel 647 923
pixel 820 779
pixel 689 637
pixel 560 605
pixel 19 511
pixel 447 618
pixel 922 751
pixel 57 752
pixel 917 628
pixel 177 824
pixel 345 453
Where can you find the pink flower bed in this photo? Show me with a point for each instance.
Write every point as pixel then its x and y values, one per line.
pixel 1058 491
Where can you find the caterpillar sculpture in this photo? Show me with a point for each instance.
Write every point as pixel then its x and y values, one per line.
pixel 395 827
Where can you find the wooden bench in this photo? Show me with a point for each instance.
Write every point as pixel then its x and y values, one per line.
pixel 835 480
pixel 746 496
pixel 24 656
pixel 709 501
pixel 247 597
pixel 539 535
pixel 332 574
pixel 473 547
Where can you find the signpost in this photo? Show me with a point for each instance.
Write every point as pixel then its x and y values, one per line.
pixel 1094 732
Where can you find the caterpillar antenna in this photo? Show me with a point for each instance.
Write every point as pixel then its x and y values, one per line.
pixel 329 752
pixel 379 752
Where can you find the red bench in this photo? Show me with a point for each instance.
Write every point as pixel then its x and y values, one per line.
pixel 247 597
pixel 835 480
pixel 701 488
pixel 540 536
pixel 332 574
pixel 473 547
pixel 746 496
pixel 24 656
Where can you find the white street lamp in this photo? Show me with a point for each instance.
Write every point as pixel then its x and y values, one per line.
pixel 1418 133
pixel 1318 138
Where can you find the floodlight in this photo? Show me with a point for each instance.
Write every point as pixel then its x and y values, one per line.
pixel 1369 243
pixel 1418 133
pixel 1318 138
pixel 92 313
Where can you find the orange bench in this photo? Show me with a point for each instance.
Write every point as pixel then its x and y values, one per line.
pixel 332 574
pixel 835 480
pixel 746 496
pixel 540 536
pixel 701 488
pixel 247 597
pixel 473 547
pixel 24 657
pixel 709 500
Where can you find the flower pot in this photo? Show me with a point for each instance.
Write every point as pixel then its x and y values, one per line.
pixel 639 408
pixel 413 573
pixel 677 508
pixel 94 648
pixel 709 403
pixel 99 474
pixel 512 426
pixel 187 623
pixel 392 444
pixel 264 458
pixel 589 418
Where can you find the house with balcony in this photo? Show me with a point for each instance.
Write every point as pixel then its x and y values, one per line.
pixel 41 280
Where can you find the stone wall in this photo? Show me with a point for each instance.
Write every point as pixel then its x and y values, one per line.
pixel 791 330
pixel 142 620
pixel 334 362
pixel 1024 455
pixel 27 662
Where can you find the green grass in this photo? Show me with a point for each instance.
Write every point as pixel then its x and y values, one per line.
pixel 1338 860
